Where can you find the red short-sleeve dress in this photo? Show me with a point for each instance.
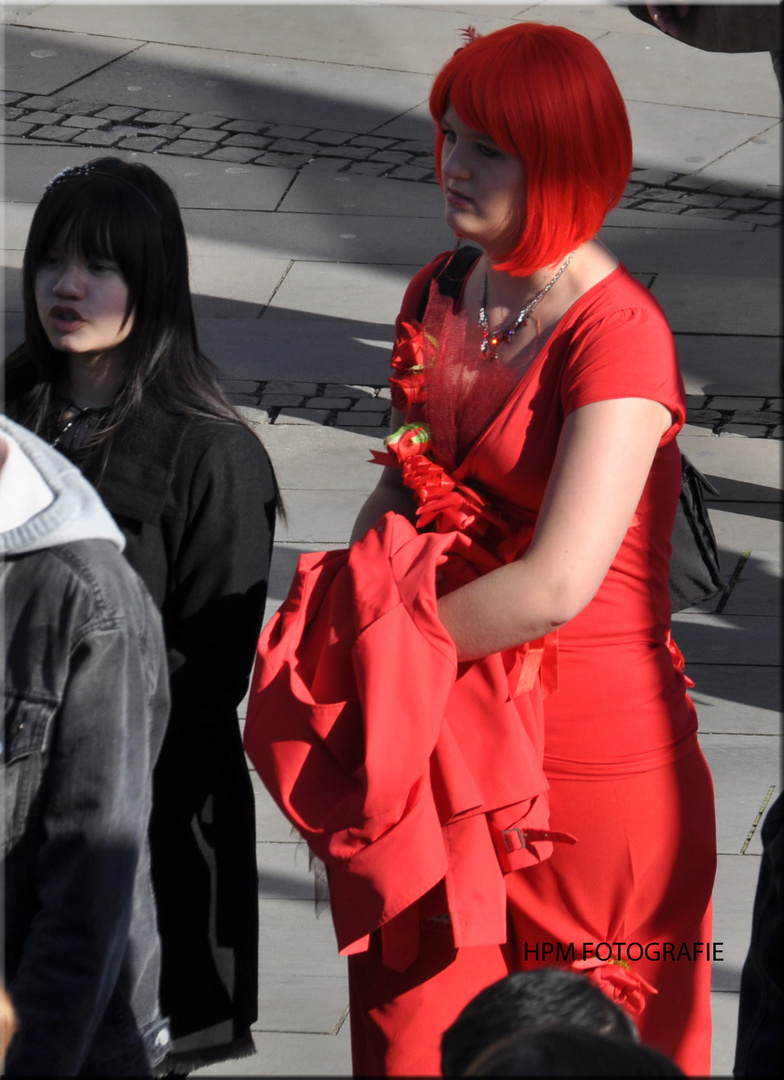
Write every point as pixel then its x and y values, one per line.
pixel 627 777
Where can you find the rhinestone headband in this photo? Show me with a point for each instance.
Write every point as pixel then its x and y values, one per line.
pixel 89 169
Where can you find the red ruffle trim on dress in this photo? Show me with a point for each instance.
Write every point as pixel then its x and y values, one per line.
pixel 618 981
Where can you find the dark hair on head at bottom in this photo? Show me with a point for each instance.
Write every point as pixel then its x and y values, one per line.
pixel 530 999
pixel 564 1050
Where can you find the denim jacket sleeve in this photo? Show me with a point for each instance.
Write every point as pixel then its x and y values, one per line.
pixel 92 823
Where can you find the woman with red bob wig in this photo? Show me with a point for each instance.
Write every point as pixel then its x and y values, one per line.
pixel 537 397
pixel 547 98
pixel 564 421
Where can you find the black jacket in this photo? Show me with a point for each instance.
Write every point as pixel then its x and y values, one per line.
pixel 195 499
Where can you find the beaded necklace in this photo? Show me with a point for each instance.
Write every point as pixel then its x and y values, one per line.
pixel 491 339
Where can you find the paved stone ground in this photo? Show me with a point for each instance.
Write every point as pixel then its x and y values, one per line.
pixel 61 119
pixel 297 280
pixel 341 405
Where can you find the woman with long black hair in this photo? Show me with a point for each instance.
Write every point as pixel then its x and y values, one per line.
pixel 111 374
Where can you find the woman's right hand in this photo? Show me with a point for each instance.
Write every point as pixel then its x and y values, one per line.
pixel 390 493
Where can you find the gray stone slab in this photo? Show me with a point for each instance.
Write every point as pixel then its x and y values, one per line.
pixel 326 34
pixel 718 364
pixel 369 405
pixel 14 130
pixel 44 62
pixel 718 304
pixel 312 1006
pixel 271 825
pixel 250 85
pixel 43 117
pixel 650 67
pixel 745 470
pixel 367 294
pixel 728 639
pixel 328 403
pixel 733 898
pixel 692 140
pixel 358 417
pixel 753 589
pixel 190 148
pixel 27 169
pixel 415 123
pixel 697 431
pixel 299 343
pixel 734 566
pixel 758 159
pixel 220 185
pixel 744 699
pixel 326 237
pixel 232 286
pixel 324 458
pixel 745 526
pixel 654 215
pixel 293 940
pixel 296 416
pixel 321 315
pixel 323 518
pixel 198 184
pixel 658 250
pixel 724 1007
pixel 758 589
pixel 313 192
pixel 285 1054
pixel 744 768
pixel 283 870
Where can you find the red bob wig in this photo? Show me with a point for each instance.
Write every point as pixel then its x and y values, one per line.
pixel 546 96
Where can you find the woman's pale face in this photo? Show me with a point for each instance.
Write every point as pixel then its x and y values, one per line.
pixel 82 304
pixel 484 187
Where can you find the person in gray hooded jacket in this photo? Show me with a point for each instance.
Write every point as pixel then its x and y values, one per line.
pixel 85 707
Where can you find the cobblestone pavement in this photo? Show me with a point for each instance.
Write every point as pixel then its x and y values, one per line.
pixel 60 119
pixel 345 406
pixel 101 125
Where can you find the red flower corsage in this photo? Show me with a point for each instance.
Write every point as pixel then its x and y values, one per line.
pixel 443 501
pixel 678 659
pixel 617 980
pixel 415 347
pixel 426 478
pixel 409 440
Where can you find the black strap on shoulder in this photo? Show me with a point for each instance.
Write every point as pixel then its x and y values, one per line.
pixel 450 273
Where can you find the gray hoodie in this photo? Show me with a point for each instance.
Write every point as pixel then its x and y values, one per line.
pixel 44 499
pixel 85 704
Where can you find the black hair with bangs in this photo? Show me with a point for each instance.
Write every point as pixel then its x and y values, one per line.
pixel 125 212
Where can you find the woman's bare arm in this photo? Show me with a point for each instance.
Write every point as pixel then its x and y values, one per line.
pixel 390 493
pixel 604 457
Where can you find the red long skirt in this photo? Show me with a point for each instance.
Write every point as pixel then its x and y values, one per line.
pixel 641 874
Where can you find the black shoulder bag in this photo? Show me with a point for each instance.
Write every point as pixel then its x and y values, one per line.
pixel 695 573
